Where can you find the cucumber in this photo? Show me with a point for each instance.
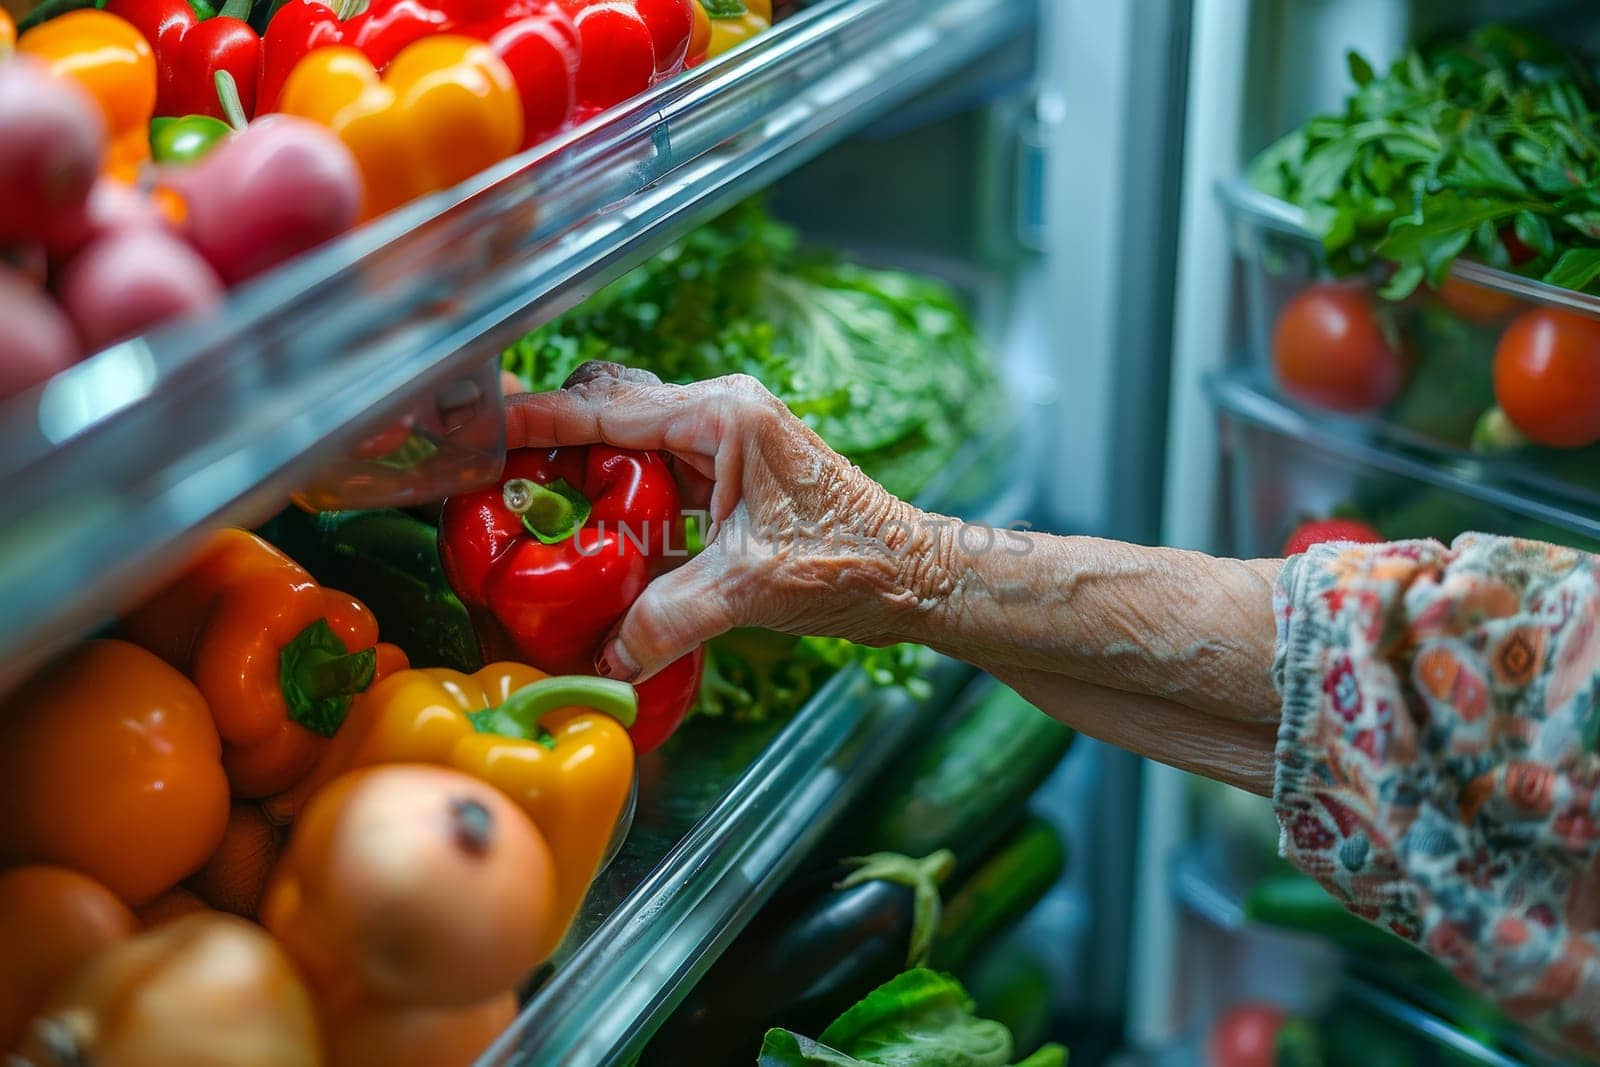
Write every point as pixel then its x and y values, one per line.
pixel 998 893
pixel 963 789
pixel 388 560
pixel 1296 902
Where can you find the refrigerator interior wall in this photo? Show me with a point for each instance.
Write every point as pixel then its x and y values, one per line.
pixel 1256 69
pixel 959 197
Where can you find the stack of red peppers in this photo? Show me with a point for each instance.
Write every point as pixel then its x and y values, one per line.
pixel 552 558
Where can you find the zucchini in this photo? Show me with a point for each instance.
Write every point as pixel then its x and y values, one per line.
pixel 388 560
pixel 813 952
pixel 997 894
pixel 1295 901
pixel 963 789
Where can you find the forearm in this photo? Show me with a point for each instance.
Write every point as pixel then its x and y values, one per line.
pixel 1177 626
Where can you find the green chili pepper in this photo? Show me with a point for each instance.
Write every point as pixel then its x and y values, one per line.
pixel 186 139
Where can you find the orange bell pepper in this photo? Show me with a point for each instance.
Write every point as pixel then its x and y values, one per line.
pixel 109 765
pixel 8 33
pixel 445 108
pixel 557 746
pixel 277 656
pixel 113 61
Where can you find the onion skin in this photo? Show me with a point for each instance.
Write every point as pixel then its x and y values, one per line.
pixel 126 282
pixel 413 883
pixel 206 989
pixel 52 920
pixel 52 143
pixel 278 188
pixel 36 339
pixel 419 1036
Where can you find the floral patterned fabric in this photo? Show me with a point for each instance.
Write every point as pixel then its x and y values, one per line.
pixel 1436 763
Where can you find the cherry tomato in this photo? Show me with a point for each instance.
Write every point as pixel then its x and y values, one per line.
pixel 1329 348
pixel 51 921
pixel 1476 303
pixel 110 764
pixel 1247 1036
pixel 1547 377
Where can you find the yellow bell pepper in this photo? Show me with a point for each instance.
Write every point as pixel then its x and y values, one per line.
pixel 445 108
pixel 8 33
pixel 113 61
pixel 557 746
pixel 723 31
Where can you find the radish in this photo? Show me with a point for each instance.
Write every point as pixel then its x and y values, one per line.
pixel 277 188
pixel 52 142
pixel 36 340
pixel 124 282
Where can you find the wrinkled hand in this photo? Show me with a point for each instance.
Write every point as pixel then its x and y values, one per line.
pixel 800 540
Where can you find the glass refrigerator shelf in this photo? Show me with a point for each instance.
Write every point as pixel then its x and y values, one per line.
pixel 1371 987
pixel 109 471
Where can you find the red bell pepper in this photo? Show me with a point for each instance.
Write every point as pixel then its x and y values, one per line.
pixel 625 46
pixel 380 32
pixel 558 551
pixel 539 43
pixel 190 51
pixel 535 39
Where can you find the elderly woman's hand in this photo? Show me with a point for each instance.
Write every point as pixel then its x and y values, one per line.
pixel 799 539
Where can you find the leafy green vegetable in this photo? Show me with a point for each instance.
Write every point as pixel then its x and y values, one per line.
pixel 883 364
pixel 919 1019
pixel 1454 150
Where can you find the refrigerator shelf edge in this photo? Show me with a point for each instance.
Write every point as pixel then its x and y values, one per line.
pixel 108 471
pixel 1236 394
pixel 1259 209
pixel 639 955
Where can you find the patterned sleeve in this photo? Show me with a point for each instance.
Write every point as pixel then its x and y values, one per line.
pixel 1436 763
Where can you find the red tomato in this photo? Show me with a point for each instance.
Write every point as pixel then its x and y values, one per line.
pixel 1476 303
pixel 1247 1036
pixel 1314 532
pixel 1329 349
pixel 1547 377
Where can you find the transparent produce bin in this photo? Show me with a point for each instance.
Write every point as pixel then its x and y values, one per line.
pixel 1287 466
pixel 450 440
pixel 1445 343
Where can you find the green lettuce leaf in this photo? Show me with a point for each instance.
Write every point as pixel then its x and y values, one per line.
pixel 919 1019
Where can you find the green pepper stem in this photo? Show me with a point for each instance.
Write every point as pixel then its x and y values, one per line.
pixel 552 513
pixel 228 92
pixel 519 715
pixel 318 677
pixel 236 9
pixel 321 676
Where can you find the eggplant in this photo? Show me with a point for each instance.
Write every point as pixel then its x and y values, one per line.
pixel 809 955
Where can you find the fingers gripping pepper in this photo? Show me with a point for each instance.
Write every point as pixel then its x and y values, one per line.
pixel 446 108
pixel 557 746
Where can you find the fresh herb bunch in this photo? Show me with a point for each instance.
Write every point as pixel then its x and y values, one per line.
pixel 884 365
pixel 1487 146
